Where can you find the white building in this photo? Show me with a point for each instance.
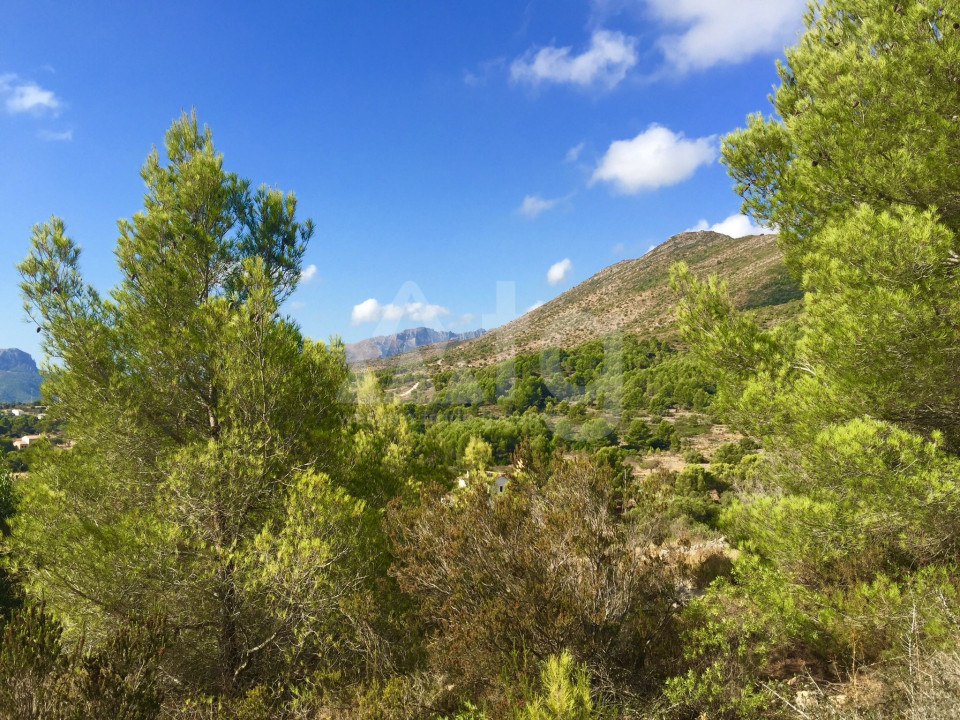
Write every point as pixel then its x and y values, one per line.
pixel 24 441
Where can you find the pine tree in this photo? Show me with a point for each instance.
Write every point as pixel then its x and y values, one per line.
pixel 204 422
pixel 857 402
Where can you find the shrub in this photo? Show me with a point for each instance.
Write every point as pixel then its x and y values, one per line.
pixel 546 566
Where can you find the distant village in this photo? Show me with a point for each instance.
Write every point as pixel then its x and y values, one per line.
pixel 24 426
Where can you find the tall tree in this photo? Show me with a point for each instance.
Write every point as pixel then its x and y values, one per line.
pixel 203 422
pixel 867 113
pixel 859 175
pixel 858 401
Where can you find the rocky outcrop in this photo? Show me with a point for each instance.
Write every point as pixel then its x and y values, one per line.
pixel 19 377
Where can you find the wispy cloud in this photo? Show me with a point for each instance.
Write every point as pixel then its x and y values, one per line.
pixel 735 226
pixel 463 320
pixel 603 64
pixel 54 136
pixel 655 158
pixel 533 205
pixel 371 310
pixel 538 303
pixel 297 305
pixel 559 271
pixel 483 73
pixel 21 96
pixel 573 153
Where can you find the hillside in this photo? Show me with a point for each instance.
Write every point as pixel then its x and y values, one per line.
pixel 398 342
pixel 632 296
pixel 19 378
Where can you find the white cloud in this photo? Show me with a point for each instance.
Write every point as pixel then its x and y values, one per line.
pixel 484 72
pixel 735 226
pixel 559 271
pixel 574 153
pixel 655 158
pixel 605 63
pixel 23 96
pixel 367 311
pixel 308 273
pixel 371 310
pixel 538 303
pixel 712 32
pixel 31 97
pixel 465 319
pixel 533 205
pixel 53 136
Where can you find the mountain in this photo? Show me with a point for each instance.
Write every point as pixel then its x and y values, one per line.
pixel 633 296
pixel 19 378
pixel 387 345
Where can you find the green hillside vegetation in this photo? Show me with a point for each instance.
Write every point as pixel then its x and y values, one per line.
pixel 33 421
pixel 620 304
pixel 19 386
pixel 738 498
pixel 567 400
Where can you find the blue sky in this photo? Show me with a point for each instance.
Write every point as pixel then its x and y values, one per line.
pixel 462 161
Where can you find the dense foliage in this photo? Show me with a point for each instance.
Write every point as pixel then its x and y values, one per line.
pixel 850 548
pixel 204 425
pixel 221 521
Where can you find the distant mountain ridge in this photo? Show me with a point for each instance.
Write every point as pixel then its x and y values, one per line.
pixel 19 377
pixel 387 345
pixel 632 296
